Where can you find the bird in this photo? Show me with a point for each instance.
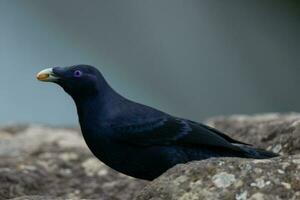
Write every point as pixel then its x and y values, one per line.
pixel 135 139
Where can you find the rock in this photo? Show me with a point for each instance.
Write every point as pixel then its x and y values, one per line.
pixel 228 178
pixel 36 197
pixel 279 133
pixel 236 178
pixel 39 162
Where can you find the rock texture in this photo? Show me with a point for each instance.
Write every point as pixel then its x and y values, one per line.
pixel 41 163
pixel 229 178
pixel 277 132
pixel 240 179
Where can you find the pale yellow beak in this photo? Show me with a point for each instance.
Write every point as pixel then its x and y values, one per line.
pixel 47 75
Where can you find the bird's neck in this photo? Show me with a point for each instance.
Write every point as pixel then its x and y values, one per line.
pixel 97 109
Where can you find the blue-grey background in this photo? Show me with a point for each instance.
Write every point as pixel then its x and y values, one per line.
pixel 191 58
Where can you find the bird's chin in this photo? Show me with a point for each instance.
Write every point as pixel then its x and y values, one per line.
pixel 47 75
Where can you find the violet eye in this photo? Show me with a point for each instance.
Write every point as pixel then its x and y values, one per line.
pixel 77 73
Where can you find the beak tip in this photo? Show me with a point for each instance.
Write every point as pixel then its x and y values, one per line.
pixel 46 75
pixel 42 76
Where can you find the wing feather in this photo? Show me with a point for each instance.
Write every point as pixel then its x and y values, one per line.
pixel 172 131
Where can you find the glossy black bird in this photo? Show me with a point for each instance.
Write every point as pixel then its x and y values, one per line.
pixel 135 139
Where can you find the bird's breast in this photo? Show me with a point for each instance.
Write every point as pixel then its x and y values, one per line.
pixel 103 147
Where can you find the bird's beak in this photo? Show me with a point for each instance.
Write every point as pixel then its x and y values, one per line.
pixel 47 75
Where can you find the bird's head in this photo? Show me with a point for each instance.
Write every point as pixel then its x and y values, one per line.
pixel 79 80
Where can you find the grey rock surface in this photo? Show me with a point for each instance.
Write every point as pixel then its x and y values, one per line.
pixel 279 133
pixel 39 162
pixel 235 178
pixel 227 179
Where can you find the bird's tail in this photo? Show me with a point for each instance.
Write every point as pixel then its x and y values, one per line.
pixel 257 153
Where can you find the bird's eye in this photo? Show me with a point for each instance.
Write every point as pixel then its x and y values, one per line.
pixel 77 73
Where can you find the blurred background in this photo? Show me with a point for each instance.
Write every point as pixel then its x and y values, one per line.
pixel 190 58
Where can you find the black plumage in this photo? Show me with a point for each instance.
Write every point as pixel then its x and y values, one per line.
pixel 135 139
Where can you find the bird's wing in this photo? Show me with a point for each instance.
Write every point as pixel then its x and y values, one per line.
pixel 229 139
pixel 172 131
